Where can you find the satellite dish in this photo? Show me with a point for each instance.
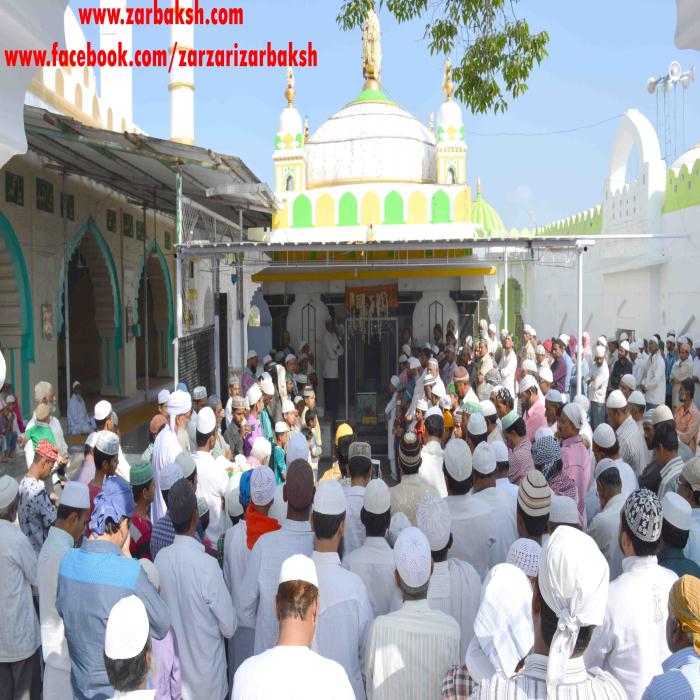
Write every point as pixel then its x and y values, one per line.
pixel 674 70
pixel 651 86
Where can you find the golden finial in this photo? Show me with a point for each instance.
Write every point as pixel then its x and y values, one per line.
pixel 371 51
pixel 448 87
pixel 478 185
pixel 290 93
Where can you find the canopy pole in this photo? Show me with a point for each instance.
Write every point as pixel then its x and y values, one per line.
pixel 579 292
pixel 145 330
pixel 242 316
pixel 217 354
pixel 505 295
pixel 178 278
pixel 66 303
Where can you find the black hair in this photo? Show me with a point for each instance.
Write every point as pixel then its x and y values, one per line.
pixel 326 526
pixel 408 470
pixel 491 419
pixel 559 342
pixel 205 521
pixel 234 520
pixel 610 477
pixel 609 451
pixel 310 415
pixel 138 490
pixel 518 427
pixel 64 512
pixel 183 527
pixel 111 526
pixel 306 432
pixel 359 466
pixel 100 424
pixel 192 476
pixel 696 496
pixel 435 426
pixel 100 457
pixel 441 554
pixel 375 525
pixel 502 466
pixel 87 450
pixel 549 623
pixel 128 674
pixel 665 435
pixel 689 386
pixel 476 439
pixel 640 547
pixel 673 536
pixel 535 525
pixel 457 488
pixel 203 438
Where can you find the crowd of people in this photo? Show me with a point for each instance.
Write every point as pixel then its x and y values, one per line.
pixel 526 540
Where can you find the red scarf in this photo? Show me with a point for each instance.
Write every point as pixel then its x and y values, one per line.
pixel 258 525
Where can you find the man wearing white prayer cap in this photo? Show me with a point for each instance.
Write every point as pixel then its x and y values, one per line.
pixel 598 386
pixel 409 651
pixel 169 443
pixel 344 611
pixel 373 561
pixel 532 405
pixel 675 530
pixel 564 511
pixel 470 520
pixel 250 371
pixel 455 585
pixel 568 604
pixel 65 533
pixel 633 449
pixel 432 453
pixel 359 466
pixel 527 351
pixel 508 365
pixel 621 367
pixel 79 422
pixel 291 670
pixel 628 384
pixel 163 396
pixel 631 642
pixel 525 554
pixel 653 383
pixel 256 404
pixel 212 479
pixel 199 400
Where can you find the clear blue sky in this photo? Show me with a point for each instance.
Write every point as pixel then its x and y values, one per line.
pixel 600 56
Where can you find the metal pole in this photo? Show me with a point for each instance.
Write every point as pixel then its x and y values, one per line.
pixel 66 304
pixel 580 320
pixel 217 354
pixel 145 305
pixel 345 352
pixel 241 311
pixel 505 294
pixel 178 278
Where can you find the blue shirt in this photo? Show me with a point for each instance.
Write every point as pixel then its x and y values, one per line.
pixel 163 534
pixel 680 679
pixel 569 369
pixel 91 580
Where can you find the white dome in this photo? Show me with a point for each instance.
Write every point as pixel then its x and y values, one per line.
pixel 450 115
pixel 688 158
pixel 290 122
pixel 371 141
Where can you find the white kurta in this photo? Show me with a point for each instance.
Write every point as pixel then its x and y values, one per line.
pixel 212 482
pixel 633 448
pixel 165 448
pixel 629 485
pixel 604 528
pixel 374 563
pixel 430 470
pixel 192 431
pixel 682 369
pixel 600 375
pixel 692 549
pixel 202 614
pixel 344 617
pixel 638 369
pixel 473 531
pixel 409 652
pixel 354 529
pixel 631 642
pixel 654 379
pixel 455 588
pixel 291 673
pixel 503 509
pixel 507 367
pixel 79 422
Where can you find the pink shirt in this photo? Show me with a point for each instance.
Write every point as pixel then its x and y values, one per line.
pixel 535 419
pixel 577 466
pixel 520 462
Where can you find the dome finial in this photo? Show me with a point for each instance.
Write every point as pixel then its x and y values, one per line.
pixel 371 51
pixel 478 186
pixel 290 93
pixel 447 86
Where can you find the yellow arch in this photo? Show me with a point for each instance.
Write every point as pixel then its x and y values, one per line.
pixel 462 207
pixel 417 209
pixel 371 210
pixel 280 219
pixel 325 211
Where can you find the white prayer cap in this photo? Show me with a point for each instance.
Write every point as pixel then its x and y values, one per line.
pixel 564 338
pixel 539 350
pixel 290 358
pixel 677 511
pixel 233 503
pixel 262 449
pixel 287 406
pixel 151 572
pixel 179 403
pixel 169 474
pixel 623 336
pixel 629 381
pixel 429 380
pixel 267 386
pixel 412 557
pixel 281 427
pixel 91 439
pixel 564 511
pixel 262 485
pixel 266 360
pixel 525 554
pixel 573 412
pixel 75 495
pixel 103 409
pixel 434 349
pixel 206 421
pixel 76 383
pixel 554 396
pixel 500 450
pixel 527 382
pixel 107 442
pixel 433 518
pixel 604 436
pixel 599 351
pixel 604 464
pixel 298 568
pixel 544 431
pixel 528 366
pixel 662 414
pixel 402 358
pixel 476 424
pixel 127 629
pixel 573 582
pixel 602 340
pixel 428 346
pixel 616 399
pixel 199 393
pixel 399 522
pixel 670 338
pixel 637 398
pixel 253 395
pixel 445 403
pixel 297 448
pixel 487 408
pixel 696 344
pixel 527 328
pixel 483 323
pixel 414 363
pixel 10 398
pixel 584 403
pixel 625 345
pixel 329 498
pixel 439 390
pixel 406 350
pixel 458 459
pixel 634 347
pixel 251 354
pixel 9 488
pixel 421 405
pixel 376 499
pixel 545 374
pixel 233 380
pixel 433 411
pixel 394 381
pixel 186 462
pixel 163 396
pixel 484 459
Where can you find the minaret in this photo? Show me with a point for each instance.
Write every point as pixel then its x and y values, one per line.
pixel 451 148
pixel 181 82
pixel 116 83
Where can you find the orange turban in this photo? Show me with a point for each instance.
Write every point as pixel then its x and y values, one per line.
pixel 684 600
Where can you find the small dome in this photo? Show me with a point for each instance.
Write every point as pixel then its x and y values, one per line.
pixel 688 159
pixel 449 122
pixel 290 123
pixel 484 215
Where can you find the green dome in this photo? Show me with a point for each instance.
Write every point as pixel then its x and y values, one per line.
pixel 484 215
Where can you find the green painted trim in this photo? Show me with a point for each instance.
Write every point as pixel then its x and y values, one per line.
pixel 301 212
pixel 682 189
pixel 12 368
pixel 393 208
pixel 108 363
pixel 372 96
pixel 347 210
pixel 440 208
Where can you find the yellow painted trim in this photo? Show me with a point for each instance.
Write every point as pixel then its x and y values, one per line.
pixel 184 141
pixel 371 274
pixel 37 87
pixel 177 84
pixel 365 181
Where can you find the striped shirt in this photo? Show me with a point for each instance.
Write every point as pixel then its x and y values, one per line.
pixel 520 461
pixel 633 449
pixel 531 683
pixel 680 679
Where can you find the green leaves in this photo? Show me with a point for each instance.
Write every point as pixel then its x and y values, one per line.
pixel 495 50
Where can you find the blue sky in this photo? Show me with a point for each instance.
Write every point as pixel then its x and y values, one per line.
pixel 600 56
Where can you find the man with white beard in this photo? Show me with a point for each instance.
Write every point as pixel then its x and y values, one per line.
pixel 44 392
pixel 171 441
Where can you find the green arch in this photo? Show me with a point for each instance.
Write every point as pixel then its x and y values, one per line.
pixel 26 310
pixel 301 212
pixel 393 208
pixel 347 210
pixel 440 208
pixel 73 244
pixel 153 247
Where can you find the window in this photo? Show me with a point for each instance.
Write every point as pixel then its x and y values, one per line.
pixel 289 183
pixel 451 176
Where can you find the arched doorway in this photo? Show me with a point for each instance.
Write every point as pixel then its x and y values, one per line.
pixel 160 327
pixel 95 311
pixel 16 315
pixel 514 321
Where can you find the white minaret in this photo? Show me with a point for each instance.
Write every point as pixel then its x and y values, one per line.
pixel 181 83
pixel 116 83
